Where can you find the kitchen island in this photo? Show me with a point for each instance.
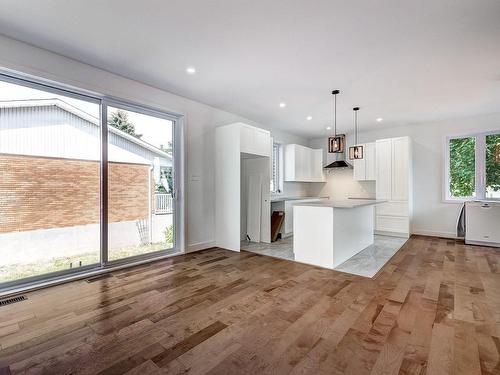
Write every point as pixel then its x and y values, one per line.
pixel 329 232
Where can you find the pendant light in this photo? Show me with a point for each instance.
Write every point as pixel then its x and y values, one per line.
pixel 335 143
pixel 356 151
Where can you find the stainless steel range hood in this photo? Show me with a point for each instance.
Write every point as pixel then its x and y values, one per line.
pixel 338 164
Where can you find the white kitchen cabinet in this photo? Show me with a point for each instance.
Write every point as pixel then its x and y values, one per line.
pixel 400 169
pixel 364 169
pixel 383 167
pixel 254 141
pixel 370 161
pixel 359 171
pixel 393 183
pixel 317 165
pixel 303 164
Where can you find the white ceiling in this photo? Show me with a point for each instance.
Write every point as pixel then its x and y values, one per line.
pixel 406 61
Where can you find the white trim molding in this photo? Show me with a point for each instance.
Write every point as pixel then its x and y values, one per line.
pixel 199 246
pixel 432 233
pixel 480 166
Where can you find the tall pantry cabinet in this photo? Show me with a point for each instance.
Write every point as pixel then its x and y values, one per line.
pixel 393 170
pixel 242 178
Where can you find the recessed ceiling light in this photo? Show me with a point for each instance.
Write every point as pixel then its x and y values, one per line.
pixel 328 128
pixel 190 70
pixel 379 119
pixel 282 105
pixel 309 118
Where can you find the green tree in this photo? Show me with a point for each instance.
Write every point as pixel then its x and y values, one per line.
pixel 462 167
pixel 119 119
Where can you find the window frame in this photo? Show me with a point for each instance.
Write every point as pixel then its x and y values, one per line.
pixel 480 167
pixel 279 188
pixel 105 101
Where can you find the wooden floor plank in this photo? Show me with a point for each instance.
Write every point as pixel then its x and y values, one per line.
pixel 433 309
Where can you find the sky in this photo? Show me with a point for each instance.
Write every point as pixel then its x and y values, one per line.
pixel 154 130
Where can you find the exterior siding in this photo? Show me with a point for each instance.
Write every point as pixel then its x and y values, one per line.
pixel 54 132
pixel 43 193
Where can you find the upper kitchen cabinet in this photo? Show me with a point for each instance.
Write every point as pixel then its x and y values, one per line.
pixel 364 169
pixel 254 141
pixel 400 182
pixel 303 164
pixel 392 168
pixel 383 165
pixel 393 183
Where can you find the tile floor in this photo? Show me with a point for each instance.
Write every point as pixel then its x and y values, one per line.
pixel 280 249
pixel 366 263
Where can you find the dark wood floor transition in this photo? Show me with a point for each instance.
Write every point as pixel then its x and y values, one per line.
pixel 433 309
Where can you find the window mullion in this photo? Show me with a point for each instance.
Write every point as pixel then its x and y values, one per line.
pixel 104 183
pixel 481 166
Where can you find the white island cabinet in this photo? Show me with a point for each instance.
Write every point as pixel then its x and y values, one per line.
pixel 327 233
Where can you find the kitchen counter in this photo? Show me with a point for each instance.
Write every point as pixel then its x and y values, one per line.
pixel 283 199
pixel 348 203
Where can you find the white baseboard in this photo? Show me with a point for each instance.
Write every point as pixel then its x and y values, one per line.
pixel 392 234
pixel 199 246
pixel 435 233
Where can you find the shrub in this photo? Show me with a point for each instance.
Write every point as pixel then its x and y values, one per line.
pixel 169 234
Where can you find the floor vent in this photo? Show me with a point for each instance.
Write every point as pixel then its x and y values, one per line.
pixel 99 277
pixel 10 301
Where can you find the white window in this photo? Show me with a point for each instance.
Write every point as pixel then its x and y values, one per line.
pixel 472 167
pixel 277 169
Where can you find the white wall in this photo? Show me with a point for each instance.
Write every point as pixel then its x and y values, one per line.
pixel 200 121
pixel 431 216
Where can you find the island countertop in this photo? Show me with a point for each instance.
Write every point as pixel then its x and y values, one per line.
pixel 347 203
pixel 283 199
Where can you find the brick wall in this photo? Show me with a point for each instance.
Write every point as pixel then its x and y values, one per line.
pixel 42 193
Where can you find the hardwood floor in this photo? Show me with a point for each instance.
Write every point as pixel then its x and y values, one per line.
pixel 433 309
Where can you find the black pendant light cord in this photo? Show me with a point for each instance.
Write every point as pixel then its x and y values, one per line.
pixel 356 128
pixel 356 109
pixel 335 116
pixel 335 92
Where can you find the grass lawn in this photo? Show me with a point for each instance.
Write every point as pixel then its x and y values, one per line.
pixel 40 267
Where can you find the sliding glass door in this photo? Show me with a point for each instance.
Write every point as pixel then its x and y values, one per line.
pixel 140 183
pixel 49 184
pixel 85 182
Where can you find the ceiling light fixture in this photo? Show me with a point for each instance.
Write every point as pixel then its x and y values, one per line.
pixel 190 70
pixel 335 143
pixel 309 118
pixel 379 119
pixel 328 128
pixel 356 151
pixel 282 105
